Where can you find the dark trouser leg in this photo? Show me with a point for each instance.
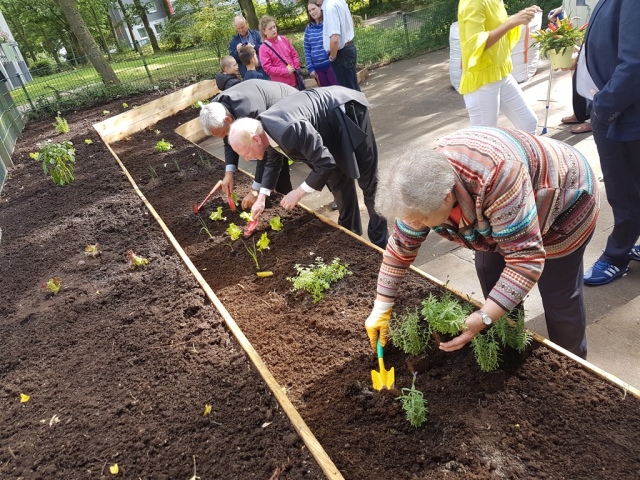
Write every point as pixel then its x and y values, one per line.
pixel 284 179
pixel 344 193
pixel 620 162
pixel 580 109
pixel 344 66
pixel 561 288
pixel 367 157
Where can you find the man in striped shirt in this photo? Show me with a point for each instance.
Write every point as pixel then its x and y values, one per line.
pixel 527 205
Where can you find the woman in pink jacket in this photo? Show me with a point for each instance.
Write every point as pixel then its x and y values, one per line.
pixel 280 69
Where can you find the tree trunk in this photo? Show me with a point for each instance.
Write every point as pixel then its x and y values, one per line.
pixel 105 46
pixel 70 10
pixel 142 13
pixel 129 27
pixel 249 12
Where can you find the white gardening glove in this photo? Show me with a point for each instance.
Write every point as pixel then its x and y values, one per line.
pixel 377 325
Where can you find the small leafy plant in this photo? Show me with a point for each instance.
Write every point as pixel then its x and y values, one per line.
pixel 445 315
pixel 253 253
pixel 276 224
pixel 263 243
pixel 316 278
pixel 163 146
pixel 125 105
pixel 61 125
pixel 245 216
pixel 234 231
pixel 58 160
pixel 135 260
pixel 92 250
pixel 199 103
pixel 88 141
pixel 408 332
pixel 53 285
pixel 414 404
pixel 217 215
pixel 204 228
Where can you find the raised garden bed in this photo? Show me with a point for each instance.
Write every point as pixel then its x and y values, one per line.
pixel 541 416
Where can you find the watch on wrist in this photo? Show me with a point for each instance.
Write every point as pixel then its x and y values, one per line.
pixel 254 193
pixel 486 319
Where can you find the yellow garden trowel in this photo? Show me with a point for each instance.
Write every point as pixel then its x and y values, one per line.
pixel 384 378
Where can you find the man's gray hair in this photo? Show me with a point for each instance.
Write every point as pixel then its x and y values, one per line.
pixel 212 116
pixel 239 19
pixel 243 130
pixel 416 182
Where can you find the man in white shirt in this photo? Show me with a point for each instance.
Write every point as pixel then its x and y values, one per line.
pixel 338 36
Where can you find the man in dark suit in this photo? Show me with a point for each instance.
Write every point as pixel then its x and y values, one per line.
pixel 611 57
pixel 246 99
pixel 328 129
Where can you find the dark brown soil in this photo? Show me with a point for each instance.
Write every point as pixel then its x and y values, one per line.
pixel 128 370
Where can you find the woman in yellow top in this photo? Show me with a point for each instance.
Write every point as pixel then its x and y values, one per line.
pixel 487 36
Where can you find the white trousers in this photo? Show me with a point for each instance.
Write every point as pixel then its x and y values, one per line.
pixel 504 96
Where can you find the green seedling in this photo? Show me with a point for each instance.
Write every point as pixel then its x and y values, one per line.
pixel 276 224
pixel 217 215
pixel 486 350
pixel 234 231
pixel 315 279
pixel 445 315
pixel 92 250
pixel 234 197
pixel 253 253
pixel 154 174
pixel 199 103
pixel 263 243
pixel 205 228
pixel 414 404
pixel 135 260
pixel 53 285
pixel 125 105
pixel 246 216
pixel 163 146
pixel 175 162
pixel 204 160
pixel 61 125
pixel 58 160
pixel 156 131
pixel 106 112
pixel 88 141
pixel 408 332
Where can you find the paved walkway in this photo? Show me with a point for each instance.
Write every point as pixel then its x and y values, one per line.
pixel 413 104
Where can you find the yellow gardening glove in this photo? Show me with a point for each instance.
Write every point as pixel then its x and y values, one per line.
pixel 377 325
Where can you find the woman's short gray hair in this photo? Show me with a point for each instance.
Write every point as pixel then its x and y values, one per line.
pixel 418 181
pixel 212 116
pixel 243 130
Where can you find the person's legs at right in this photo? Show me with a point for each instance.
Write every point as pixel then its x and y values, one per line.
pixel 515 107
pixel 344 193
pixel 344 67
pixel 483 105
pixel 561 288
pixel 620 162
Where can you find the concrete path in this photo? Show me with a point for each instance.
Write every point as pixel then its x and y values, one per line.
pixel 413 104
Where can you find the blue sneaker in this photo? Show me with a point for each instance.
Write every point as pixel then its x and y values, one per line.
pixel 602 273
pixel 635 253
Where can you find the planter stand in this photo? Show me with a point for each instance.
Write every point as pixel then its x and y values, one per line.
pixel 120 126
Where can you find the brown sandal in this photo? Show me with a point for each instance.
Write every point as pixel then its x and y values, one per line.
pixel 572 120
pixel 582 128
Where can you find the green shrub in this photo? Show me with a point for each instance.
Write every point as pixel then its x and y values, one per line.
pixel 317 278
pixel 58 160
pixel 408 332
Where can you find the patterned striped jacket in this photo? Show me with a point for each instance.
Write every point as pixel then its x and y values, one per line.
pixel 527 197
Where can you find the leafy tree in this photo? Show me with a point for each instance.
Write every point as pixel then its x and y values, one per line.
pixel 70 10
pixel 249 13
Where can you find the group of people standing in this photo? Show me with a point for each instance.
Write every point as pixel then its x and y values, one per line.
pixel 329 49
pixel 527 205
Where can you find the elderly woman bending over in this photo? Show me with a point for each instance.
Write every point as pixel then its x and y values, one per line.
pixel 527 205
